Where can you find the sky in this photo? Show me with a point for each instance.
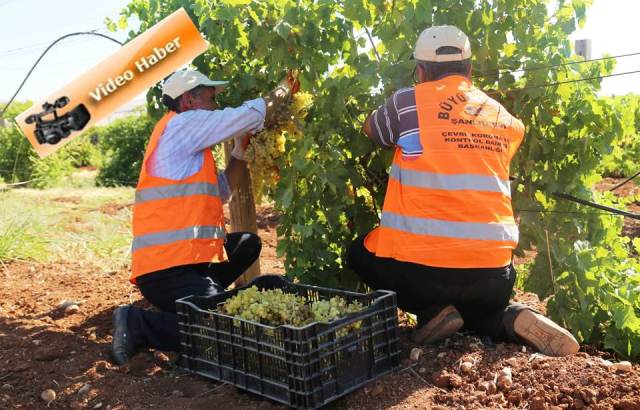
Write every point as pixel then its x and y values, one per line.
pixel 28 26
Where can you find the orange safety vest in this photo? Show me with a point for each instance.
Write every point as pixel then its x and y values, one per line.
pixel 176 222
pixel 451 206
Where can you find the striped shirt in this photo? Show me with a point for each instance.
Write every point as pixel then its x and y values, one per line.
pixel 396 123
pixel 179 153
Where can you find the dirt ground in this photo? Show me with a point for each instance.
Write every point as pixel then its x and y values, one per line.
pixel 43 347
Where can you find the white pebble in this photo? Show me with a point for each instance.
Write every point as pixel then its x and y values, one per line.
pixel 625 367
pixel 605 363
pixel 415 354
pixel 84 389
pixel 71 309
pixel 504 382
pixel 48 395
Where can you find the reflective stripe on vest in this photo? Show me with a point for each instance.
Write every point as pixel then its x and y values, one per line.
pixel 163 238
pixel 173 191
pixel 176 222
pixel 450 205
pixel 463 230
pixel 454 182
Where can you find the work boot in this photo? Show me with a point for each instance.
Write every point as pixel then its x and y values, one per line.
pixel 544 334
pixel 447 322
pixel 122 345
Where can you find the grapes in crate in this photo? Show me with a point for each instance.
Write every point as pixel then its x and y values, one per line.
pixel 274 308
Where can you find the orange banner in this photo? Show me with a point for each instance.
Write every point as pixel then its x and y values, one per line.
pixel 138 65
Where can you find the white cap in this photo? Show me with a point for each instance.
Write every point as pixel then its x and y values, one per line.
pixel 435 37
pixel 184 80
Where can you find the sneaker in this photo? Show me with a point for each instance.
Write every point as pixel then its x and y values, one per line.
pixel 544 334
pixel 443 325
pixel 122 345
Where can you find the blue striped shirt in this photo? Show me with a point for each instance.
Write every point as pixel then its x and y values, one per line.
pixel 395 123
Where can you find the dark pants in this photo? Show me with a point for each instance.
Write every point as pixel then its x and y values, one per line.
pixel 159 330
pixel 480 295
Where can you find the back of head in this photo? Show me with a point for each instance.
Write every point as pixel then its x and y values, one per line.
pixel 442 51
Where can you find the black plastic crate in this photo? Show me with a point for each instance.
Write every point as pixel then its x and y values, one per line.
pixel 303 367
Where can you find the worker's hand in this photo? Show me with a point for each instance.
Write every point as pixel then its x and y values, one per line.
pixel 280 97
pixel 291 81
pixel 240 144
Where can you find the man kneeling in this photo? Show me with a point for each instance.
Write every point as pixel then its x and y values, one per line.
pixel 447 231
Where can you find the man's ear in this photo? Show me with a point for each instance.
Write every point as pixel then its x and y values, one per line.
pixel 421 74
pixel 185 101
pixel 366 128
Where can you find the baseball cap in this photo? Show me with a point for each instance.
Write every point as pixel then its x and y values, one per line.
pixel 442 43
pixel 184 80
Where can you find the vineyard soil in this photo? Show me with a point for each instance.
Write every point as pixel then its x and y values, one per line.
pixel 42 347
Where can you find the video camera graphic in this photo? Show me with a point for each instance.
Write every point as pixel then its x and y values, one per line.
pixel 51 131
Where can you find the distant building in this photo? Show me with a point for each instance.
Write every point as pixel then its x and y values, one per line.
pixel 583 48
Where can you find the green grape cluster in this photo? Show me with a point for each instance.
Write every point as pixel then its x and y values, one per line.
pixel 271 307
pixel 332 309
pixel 275 307
pixel 267 147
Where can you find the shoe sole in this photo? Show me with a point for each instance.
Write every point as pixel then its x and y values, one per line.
pixel 544 334
pixel 442 327
pixel 119 315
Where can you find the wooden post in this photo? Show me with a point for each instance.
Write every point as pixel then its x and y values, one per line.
pixel 243 213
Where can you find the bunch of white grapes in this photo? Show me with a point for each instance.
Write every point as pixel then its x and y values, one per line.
pixel 336 308
pixel 275 307
pixel 268 146
pixel 270 307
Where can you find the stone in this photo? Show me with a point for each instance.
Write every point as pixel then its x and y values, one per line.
pixel 466 367
pixel 455 381
pixel 160 357
pixel 84 389
pixel 48 395
pixel 506 371
pixel 415 354
pixel 624 367
pixel 71 309
pixel 504 382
